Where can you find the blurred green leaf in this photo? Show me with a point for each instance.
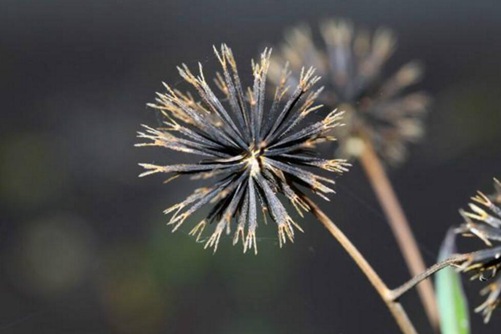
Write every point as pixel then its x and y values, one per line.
pixel 452 303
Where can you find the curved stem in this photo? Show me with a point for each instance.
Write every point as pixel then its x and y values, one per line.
pixel 454 260
pixel 400 228
pixel 395 308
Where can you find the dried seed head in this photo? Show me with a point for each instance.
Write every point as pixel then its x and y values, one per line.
pixel 483 220
pixel 351 62
pixel 254 152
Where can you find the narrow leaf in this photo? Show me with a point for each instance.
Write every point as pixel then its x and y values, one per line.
pixel 452 303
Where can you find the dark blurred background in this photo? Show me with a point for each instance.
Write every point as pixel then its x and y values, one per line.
pixel 84 246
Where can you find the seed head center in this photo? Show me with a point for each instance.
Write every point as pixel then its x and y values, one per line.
pixel 254 161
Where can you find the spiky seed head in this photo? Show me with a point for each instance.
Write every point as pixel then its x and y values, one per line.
pixel 483 220
pixel 256 154
pixel 351 63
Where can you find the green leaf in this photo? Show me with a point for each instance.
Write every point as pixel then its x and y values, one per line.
pixel 452 304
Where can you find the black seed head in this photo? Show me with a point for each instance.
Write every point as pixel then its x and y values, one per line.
pixel 483 220
pixel 254 152
pixel 351 64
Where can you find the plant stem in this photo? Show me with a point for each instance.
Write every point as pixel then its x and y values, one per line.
pixel 454 260
pixel 400 228
pixel 395 308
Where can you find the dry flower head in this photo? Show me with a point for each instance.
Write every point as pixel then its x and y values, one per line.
pixel 351 64
pixel 483 220
pixel 256 153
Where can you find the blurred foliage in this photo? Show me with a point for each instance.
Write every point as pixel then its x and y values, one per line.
pixel 51 256
pixel 32 170
pixel 466 118
pixel 132 298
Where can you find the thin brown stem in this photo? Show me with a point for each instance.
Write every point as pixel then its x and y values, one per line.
pixel 400 228
pixel 454 260
pixel 395 308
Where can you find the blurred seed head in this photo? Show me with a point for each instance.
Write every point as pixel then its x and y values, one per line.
pixel 257 154
pixel 351 62
pixel 483 220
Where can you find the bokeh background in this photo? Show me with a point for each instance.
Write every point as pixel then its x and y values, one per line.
pixel 84 246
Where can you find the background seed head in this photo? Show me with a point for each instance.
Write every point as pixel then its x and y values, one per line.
pixel 351 62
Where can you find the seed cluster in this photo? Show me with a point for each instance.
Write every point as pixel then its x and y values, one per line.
pixel 351 64
pixel 257 153
pixel 483 220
